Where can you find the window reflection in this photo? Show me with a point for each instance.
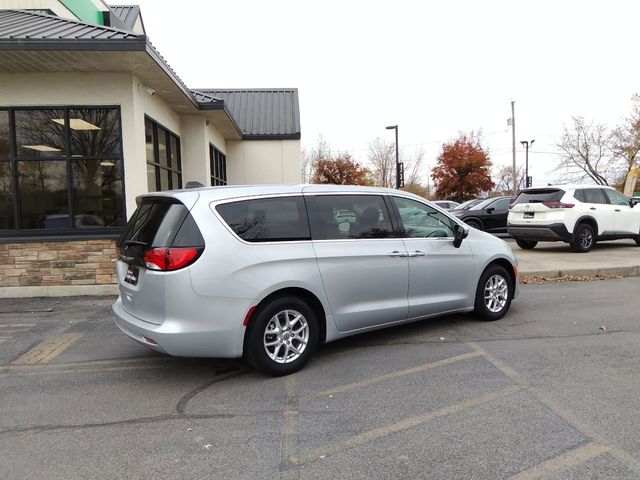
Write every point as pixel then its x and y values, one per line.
pixel 94 132
pixel 164 169
pixel 7 220
pixel 38 134
pixel 43 194
pixel 97 188
pixel 5 144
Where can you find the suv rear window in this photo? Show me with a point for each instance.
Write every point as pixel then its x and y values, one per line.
pixel 539 195
pixel 159 222
pixel 277 219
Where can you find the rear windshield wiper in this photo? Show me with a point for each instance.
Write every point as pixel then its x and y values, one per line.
pixel 126 243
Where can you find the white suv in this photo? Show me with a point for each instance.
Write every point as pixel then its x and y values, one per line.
pixel 579 215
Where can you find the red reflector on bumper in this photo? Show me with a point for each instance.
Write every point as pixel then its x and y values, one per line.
pixel 247 318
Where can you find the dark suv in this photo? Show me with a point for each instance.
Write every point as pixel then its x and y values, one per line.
pixel 489 215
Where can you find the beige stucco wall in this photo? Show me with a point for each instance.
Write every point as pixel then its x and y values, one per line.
pixel 263 161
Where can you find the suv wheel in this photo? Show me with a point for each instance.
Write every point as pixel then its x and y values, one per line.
pixel 474 224
pixel 494 293
pixel 584 238
pixel 282 336
pixel 526 244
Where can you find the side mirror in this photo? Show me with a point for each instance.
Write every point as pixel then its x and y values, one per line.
pixel 633 202
pixel 459 234
pixel 490 209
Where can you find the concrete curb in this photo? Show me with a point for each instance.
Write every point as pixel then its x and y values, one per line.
pixel 59 291
pixel 630 271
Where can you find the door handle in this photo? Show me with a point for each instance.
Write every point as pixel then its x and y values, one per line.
pixel 592 208
pixel 396 253
pixel 617 210
pixel 417 253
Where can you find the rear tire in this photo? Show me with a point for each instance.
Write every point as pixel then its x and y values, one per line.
pixel 282 336
pixel 584 238
pixel 494 293
pixel 526 244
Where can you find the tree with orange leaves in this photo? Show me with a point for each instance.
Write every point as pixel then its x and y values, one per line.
pixel 463 170
pixel 341 170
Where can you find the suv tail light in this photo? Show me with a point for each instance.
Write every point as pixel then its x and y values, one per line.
pixel 169 259
pixel 558 205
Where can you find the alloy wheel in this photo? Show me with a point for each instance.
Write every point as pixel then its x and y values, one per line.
pixel 286 336
pixel 496 292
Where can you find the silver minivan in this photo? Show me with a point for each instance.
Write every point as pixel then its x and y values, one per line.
pixel 269 272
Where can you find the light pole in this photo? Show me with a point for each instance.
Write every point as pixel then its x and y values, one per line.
pixel 513 142
pixel 526 145
pixel 399 173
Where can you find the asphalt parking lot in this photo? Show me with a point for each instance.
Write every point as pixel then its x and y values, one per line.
pixel 551 391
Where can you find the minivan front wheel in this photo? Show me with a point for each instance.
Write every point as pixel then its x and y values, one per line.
pixel 494 293
pixel 282 336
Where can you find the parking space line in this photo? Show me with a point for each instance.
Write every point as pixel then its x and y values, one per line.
pixel 48 350
pixel 17 325
pixel 571 419
pixel 289 450
pixel 388 376
pixel 562 462
pixel 406 423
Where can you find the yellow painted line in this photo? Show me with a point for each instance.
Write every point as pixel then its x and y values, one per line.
pixel 389 376
pixel 48 350
pixel 569 417
pixel 562 462
pixel 289 448
pixel 380 432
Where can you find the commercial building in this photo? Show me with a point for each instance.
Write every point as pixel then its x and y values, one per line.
pixel 91 116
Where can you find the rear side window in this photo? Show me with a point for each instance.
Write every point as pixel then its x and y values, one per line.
pixel 590 195
pixel 278 219
pixel 539 195
pixel 335 217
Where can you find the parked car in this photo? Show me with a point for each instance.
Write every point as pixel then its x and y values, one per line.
pixel 265 272
pixel 579 215
pixel 489 214
pixel 446 204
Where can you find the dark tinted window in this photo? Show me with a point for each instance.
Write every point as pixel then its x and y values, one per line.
pixel 164 166
pixel 43 194
pixel 348 216
pixel 7 219
pixel 95 132
pixel 5 143
pixel 540 195
pixel 40 133
pixel 593 195
pixel 97 193
pixel 501 205
pixel 267 219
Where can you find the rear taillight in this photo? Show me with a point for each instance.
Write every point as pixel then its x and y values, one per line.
pixel 168 259
pixel 558 205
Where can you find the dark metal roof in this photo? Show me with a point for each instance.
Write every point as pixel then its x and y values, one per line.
pixel 260 113
pixel 127 14
pixel 23 24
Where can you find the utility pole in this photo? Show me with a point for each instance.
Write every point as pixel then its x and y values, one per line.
pixel 526 145
pixel 399 166
pixel 513 144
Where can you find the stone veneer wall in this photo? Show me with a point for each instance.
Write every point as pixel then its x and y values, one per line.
pixel 77 262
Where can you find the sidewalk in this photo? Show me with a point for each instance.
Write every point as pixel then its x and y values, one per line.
pixel 556 259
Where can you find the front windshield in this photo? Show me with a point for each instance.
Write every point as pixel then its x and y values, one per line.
pixel 482 204
pixel 468 204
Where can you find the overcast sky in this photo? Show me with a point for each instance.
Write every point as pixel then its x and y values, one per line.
pixel 433 68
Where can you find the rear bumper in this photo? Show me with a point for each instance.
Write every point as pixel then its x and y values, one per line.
pixel 546 233
pixel 215 338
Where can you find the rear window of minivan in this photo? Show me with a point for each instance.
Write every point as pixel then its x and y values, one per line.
pixel 157 223
pixel 539 195
pixel 275 219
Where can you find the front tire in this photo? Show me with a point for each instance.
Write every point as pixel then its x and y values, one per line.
pixel 474 224
pixel 584 238
pixel 282 336
pixel 526 244
pixel 494 293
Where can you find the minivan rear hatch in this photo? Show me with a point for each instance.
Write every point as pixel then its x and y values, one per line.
pixel 160 240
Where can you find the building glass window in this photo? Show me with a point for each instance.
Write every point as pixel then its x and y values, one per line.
pixel 64 172
pixel 164 166
pixel 218 164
